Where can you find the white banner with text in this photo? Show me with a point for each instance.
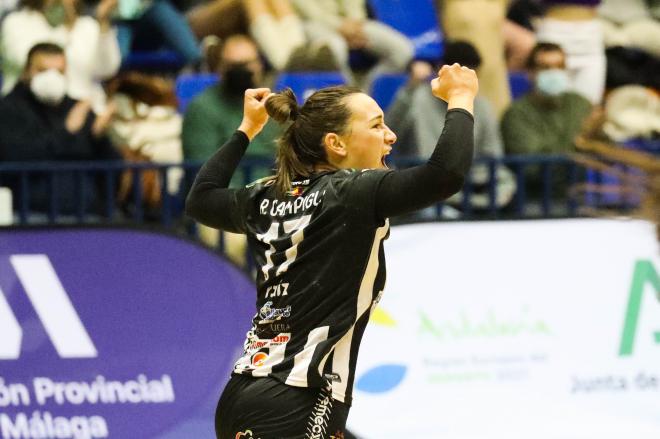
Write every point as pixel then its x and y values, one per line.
pixel 520 329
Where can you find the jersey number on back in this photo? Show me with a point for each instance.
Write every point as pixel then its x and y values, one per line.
pixel 293 234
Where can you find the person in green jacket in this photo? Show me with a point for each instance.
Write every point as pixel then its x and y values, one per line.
pixel 548 118
pixel 212 117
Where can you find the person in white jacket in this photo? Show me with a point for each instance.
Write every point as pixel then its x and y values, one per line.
pixel 90 44
pixel 343 25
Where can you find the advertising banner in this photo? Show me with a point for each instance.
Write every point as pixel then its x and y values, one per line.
pixel 543 329
pixel 115 333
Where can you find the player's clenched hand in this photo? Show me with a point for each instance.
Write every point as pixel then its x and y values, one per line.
pixel 456 83
pixel 254 111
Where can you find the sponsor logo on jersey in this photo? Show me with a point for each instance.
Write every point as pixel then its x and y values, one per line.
pixel 279 327
pixel 247 434
pixel 269 314
pixel 320 416
pixel 258 344
pixel 277 340
pixel 280 339
pixel 295 192
pixel 259 358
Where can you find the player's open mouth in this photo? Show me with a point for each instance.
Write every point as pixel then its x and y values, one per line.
pixel 383 160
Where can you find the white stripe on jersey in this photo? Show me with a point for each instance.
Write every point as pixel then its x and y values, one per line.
pixel 341 358
pixel 298 375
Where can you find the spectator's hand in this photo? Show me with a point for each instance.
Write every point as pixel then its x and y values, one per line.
pixel 456 85
pixel 420 71
pixel 102 121
pixel 592 127
pixel 77 116
pixel 104 13
pixel 254 111
pixel 353 32
pixel 70 11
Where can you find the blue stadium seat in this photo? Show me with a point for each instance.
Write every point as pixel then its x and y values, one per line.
pixel 519 83
pixel 189 86
pixel 304 84
pixel 605 179
pixel 417 19
pixel 649 146
pixel 158 61
pixel 385 86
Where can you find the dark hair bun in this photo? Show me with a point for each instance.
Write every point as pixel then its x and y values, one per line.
pixel 283 106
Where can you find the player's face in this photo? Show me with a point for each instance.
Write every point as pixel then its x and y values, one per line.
pixel 368 140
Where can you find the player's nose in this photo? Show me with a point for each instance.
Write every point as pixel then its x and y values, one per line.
pixel 390 137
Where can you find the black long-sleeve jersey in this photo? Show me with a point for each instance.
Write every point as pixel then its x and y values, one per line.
pixel 319 252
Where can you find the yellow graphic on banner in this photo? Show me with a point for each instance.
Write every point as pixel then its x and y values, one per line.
pixel 382 317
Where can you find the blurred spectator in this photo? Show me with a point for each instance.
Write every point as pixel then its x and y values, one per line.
pixel 418 119
pixel 147 24
pixel 90 44
pixel 632 37
pixel 632 112
pixel 212 118
pixel 573 25
pixel 220 18
pixel 7 6
pixel 480 22
pixel 343 25
pixel 626 66
pixel 525 13
pixel 547 119
pixel 147 128
pixel 39 122
pixel 520 32
pixel 631 23
pixel 274 25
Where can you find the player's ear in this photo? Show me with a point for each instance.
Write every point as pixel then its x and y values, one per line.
pixel 334 146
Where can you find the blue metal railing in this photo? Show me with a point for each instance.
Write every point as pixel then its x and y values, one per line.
pixel 90 190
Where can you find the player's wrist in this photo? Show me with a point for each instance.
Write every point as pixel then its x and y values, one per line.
pixel 249 129
pixel 464 101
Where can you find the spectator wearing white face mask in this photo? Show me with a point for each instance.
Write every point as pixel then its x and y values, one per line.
pixel 39 122
pixel 547 119
pixel 90 44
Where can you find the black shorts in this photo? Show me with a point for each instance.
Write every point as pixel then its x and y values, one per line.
pixel 264 408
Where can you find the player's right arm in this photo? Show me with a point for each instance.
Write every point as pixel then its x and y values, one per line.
pixel 211 201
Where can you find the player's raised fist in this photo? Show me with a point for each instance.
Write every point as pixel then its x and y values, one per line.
pixel 254 111
pixel 455 80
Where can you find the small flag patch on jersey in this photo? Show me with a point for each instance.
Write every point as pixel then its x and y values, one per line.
pixel 296 191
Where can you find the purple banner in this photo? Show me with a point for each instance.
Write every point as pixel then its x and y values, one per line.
pixel 115 333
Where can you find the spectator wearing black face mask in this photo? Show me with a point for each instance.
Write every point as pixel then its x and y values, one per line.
pixel 212 117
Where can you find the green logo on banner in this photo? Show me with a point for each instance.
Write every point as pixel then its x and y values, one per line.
pixel 644 272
